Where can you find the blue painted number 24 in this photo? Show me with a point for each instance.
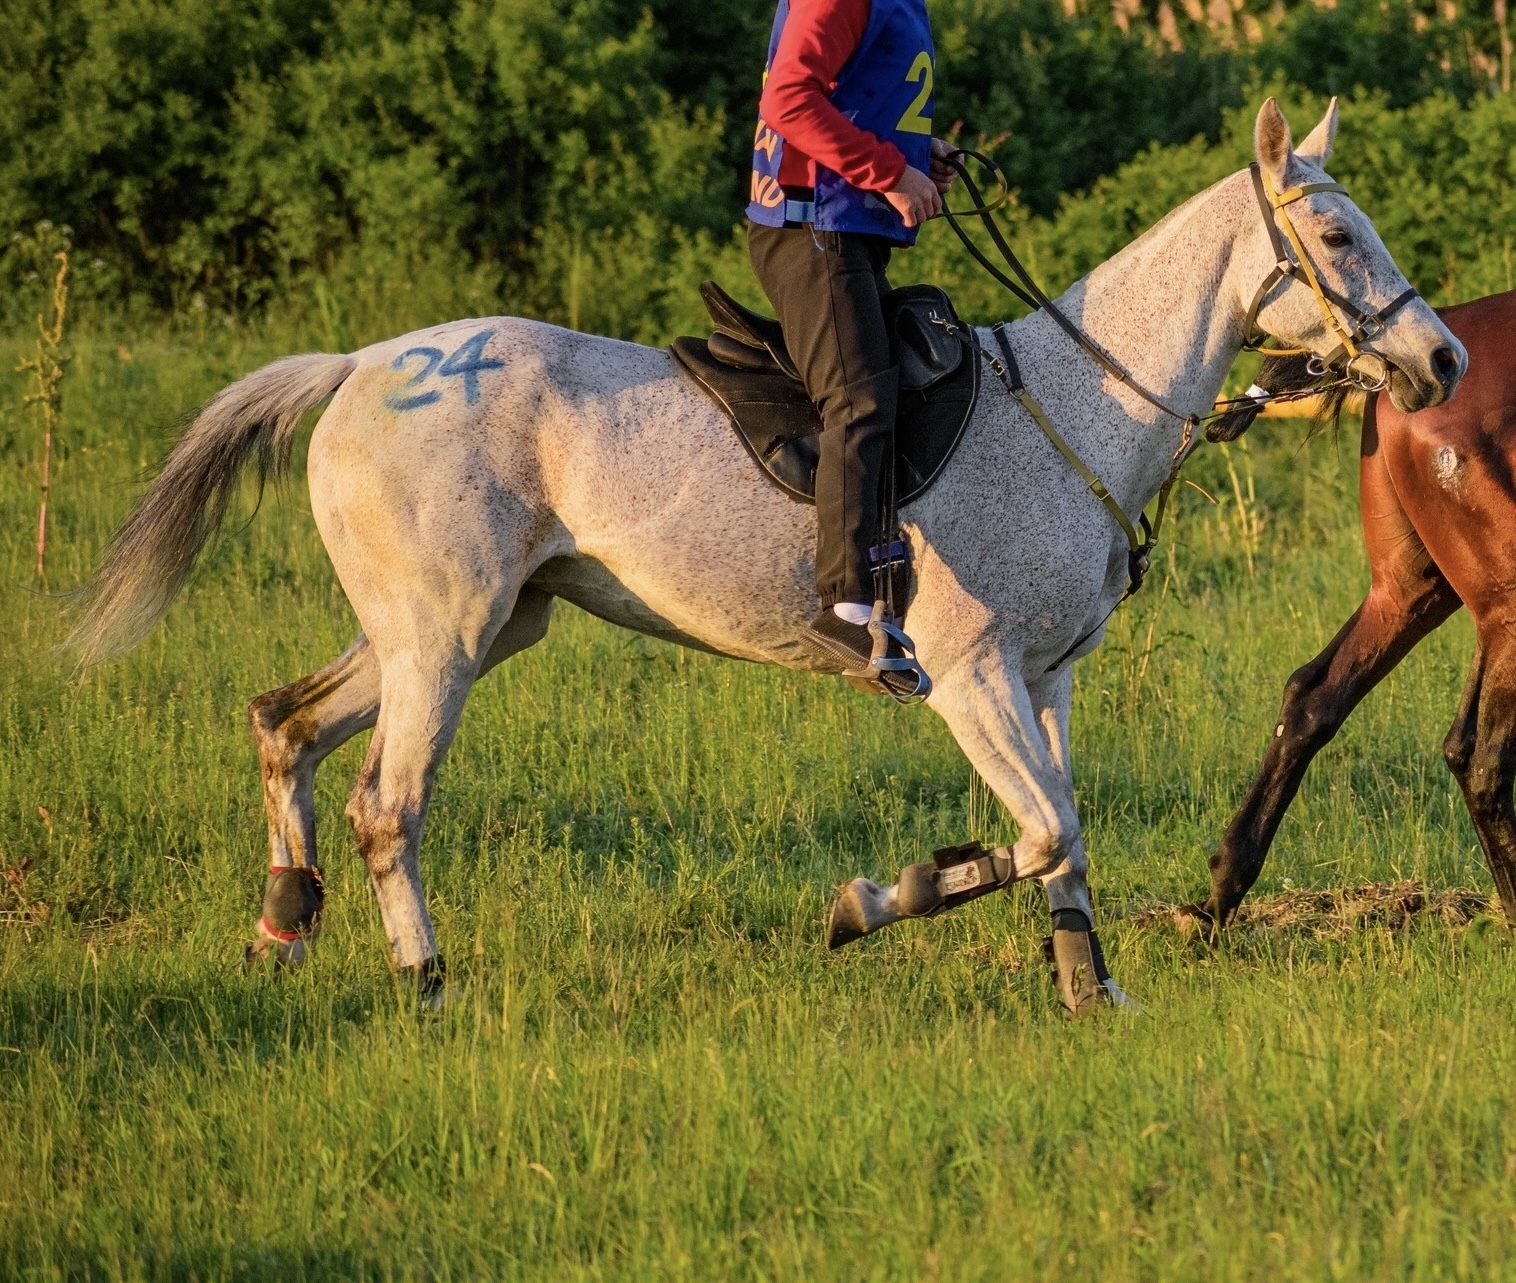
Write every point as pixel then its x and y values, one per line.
pixel 464 363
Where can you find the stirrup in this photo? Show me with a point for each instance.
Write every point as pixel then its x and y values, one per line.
pixel 884 630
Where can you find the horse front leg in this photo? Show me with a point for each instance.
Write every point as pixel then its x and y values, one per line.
pixel 1019 745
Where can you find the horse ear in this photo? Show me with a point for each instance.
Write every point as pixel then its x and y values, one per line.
pixel 1317 145
pixel 1271 143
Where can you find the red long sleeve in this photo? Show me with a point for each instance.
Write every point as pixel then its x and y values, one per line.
pixel 818 38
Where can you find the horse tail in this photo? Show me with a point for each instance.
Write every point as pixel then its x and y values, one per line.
pixel 151 554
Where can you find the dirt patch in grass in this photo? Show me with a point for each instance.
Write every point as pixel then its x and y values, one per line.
pixel 1340 911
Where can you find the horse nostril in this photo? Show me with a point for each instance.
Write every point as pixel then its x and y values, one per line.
pixel 1445 362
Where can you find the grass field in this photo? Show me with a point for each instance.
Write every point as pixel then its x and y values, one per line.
pixel 652 1068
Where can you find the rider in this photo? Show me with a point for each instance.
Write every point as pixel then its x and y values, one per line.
pixel 845 169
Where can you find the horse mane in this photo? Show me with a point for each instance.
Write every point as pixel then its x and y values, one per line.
pixel 1285 374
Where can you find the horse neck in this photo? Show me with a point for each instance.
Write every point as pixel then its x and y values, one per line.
pixel 1168 307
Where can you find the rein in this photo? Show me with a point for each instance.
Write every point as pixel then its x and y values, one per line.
pixel 1026 289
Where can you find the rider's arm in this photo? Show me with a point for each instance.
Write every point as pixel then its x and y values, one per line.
pixel 818 38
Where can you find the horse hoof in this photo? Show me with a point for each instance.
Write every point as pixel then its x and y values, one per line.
pixel 1194 922
pixel 284 954
pixel 433 993
pixel 1116 997
pixel 858 910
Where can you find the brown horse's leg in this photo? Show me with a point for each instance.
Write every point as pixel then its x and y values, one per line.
pixel 1317 700
pixel 1481 752
pixel 1409 598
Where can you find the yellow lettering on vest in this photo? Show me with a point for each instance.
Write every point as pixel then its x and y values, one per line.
pixel 766 191
pixel 914 122
pixel 765 140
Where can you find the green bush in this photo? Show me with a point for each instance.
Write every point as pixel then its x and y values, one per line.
pixel 1437 178
pixel 579 160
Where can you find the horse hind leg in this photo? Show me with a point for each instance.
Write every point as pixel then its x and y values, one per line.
pixel 424 690
pixel 1481 752
pixel 296 727
pixel 425 685
pixel 1317 700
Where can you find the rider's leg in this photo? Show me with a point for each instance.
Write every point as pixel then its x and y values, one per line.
pixel 826 289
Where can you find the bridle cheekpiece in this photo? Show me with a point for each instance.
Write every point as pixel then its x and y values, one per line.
pixel 1366 325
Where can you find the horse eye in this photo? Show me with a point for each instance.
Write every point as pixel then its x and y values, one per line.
pixel 1336 238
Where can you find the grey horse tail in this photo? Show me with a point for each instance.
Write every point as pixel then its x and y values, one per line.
pixel 151 554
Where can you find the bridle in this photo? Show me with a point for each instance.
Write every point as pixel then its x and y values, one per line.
pixel 1366 325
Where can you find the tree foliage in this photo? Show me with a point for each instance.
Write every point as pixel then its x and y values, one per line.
pixel 584 160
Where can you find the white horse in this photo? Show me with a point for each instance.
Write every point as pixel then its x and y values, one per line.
pixel 466 475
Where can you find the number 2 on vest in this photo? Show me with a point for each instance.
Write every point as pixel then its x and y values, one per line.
pixel 913 122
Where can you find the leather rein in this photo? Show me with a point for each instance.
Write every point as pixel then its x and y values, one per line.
pixel 1366 325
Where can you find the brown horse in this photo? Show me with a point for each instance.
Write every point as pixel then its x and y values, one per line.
pixel 1437 492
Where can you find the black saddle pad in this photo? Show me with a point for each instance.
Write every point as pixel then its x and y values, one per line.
pixel 746 370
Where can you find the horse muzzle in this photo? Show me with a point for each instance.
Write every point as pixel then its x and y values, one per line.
pixel 1412 390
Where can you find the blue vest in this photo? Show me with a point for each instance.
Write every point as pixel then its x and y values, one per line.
pixel 884 88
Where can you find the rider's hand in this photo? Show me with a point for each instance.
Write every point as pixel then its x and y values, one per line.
pixel 915 197
pixel 943 174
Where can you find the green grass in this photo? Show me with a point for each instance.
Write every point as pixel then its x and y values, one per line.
pixel 652 1068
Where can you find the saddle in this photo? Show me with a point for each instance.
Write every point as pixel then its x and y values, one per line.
pixel 746 369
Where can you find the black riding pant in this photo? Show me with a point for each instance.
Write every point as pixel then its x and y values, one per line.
pixel 826 289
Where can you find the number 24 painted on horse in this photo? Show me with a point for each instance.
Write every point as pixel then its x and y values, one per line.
pixel 464 363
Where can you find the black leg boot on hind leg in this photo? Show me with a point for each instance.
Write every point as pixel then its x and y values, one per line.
pixel 1079 973
pixel 292 905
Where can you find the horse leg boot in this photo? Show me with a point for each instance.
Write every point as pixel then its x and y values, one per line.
pixel 952 877
pixel 424 689
pixel 296 727
pixel 1073 949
